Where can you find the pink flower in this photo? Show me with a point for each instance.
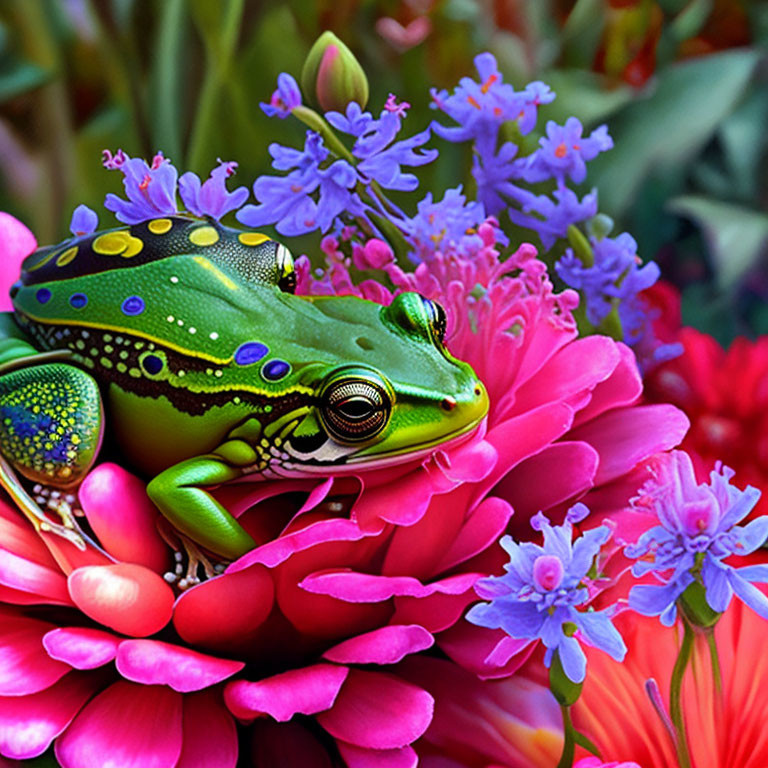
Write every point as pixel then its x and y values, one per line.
pixel 16 243
pixel 305 641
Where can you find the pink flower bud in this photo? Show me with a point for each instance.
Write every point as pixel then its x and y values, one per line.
pixel 548 572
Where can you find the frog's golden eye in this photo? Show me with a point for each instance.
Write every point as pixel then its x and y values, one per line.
pixel 355 408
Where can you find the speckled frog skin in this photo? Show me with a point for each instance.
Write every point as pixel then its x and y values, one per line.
pixel 210 370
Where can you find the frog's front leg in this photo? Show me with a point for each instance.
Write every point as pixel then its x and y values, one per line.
pixel 179 493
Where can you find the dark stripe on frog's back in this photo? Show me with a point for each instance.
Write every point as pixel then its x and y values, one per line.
pixel 79 257
pixel 80 341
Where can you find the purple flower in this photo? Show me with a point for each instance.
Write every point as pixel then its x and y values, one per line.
pixel 84 221
pixel 480 107
pixel 550 218
pixel 565 152
pixel 535 94
pixel 310 197
pixel 449 225
pixel 380 159
pixel 615 278
pixel 355 122
pixel 211 198
pixel 539 595
pixel 698 530
pixel 285 99
pixel 150 189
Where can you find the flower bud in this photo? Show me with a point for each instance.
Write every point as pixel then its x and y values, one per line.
pixel 332 77
pixel 693 603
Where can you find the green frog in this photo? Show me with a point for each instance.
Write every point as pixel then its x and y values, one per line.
pixel 188 335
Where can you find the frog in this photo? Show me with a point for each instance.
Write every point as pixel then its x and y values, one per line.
pixel 187 337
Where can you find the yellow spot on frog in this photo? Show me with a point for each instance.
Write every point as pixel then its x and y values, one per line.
pixel 204 236
pixel 159 226
pixel 121 243
pixel 252 238
pixel 205 264
pixel 67 256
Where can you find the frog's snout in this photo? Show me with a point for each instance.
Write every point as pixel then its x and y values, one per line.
pixel 468 408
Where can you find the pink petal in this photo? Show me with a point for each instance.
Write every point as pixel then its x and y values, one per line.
pixel 81 647
pixel 623 387
pixel 281 549
pixel 481 529
pixel 286 745
pixel 126 597
pixel 127 725
pixel 28 724
pixel 476 649
pixel 435 612
pixel 357 587
pixel 359 757
pixel 25 667
pixel 225 612
pixel 576 369
pixel 123 518
pixel 153 662
pixel 378 711
pixel 625 436
pixel 523 436
pixel 16 243
pixel 304 691
pixel 468 463
pixel 209 732
pixel 19 537
pixel 385 502
pixel 47 584
pixel 386 645
pixel 559 472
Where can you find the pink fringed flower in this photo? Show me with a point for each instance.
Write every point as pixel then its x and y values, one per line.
pixel 305 641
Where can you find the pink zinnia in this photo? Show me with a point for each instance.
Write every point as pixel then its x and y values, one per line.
pixel 305 639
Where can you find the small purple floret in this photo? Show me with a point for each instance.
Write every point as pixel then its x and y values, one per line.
pixel 285 99
pixel 698 530
pixel 542 590
pixel 85 221
pixel 211 198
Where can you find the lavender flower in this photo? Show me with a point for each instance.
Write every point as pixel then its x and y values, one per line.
pixel 287 201
pixel 84 221
pixel 538 597
pixel 615 276
pixel 285 99
pixel 698 530
pixel 565 152
pixel 150 189
pixel 212 197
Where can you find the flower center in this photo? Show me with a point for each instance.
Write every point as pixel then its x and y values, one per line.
pixel 548 572
pixel 698 517
pixel 561 150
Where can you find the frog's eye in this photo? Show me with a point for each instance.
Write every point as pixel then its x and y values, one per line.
pixel 354 408
pixel 286 270
pixel 437 319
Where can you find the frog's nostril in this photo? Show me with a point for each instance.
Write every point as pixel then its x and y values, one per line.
pixel 364 343
pixel 448 404
pixel 478 391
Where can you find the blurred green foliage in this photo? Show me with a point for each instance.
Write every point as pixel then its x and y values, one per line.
pixel 681 84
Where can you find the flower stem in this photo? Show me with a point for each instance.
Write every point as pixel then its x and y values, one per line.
pixel 715 658
pixel 675 706
pixel 569 742
pixel 315 122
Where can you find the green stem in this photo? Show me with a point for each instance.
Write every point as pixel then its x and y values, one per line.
pixel 675 706
pixel 569 739
pixel 715 658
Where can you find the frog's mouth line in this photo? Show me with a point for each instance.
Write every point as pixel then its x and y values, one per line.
pixel 354 465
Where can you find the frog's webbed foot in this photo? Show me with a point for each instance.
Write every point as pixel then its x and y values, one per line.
pixel 50 431
pixel 199 565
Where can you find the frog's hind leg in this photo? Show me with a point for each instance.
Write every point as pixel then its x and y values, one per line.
pixel 51 425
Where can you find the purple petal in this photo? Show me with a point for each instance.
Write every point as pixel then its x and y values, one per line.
pixel 600 632
pixel 718 589
pixel 84 221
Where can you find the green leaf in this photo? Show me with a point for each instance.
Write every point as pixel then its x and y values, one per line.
pixel 671 124
pixel 584 94
pixel 735 235
pixel 582 32
pixel 20 78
